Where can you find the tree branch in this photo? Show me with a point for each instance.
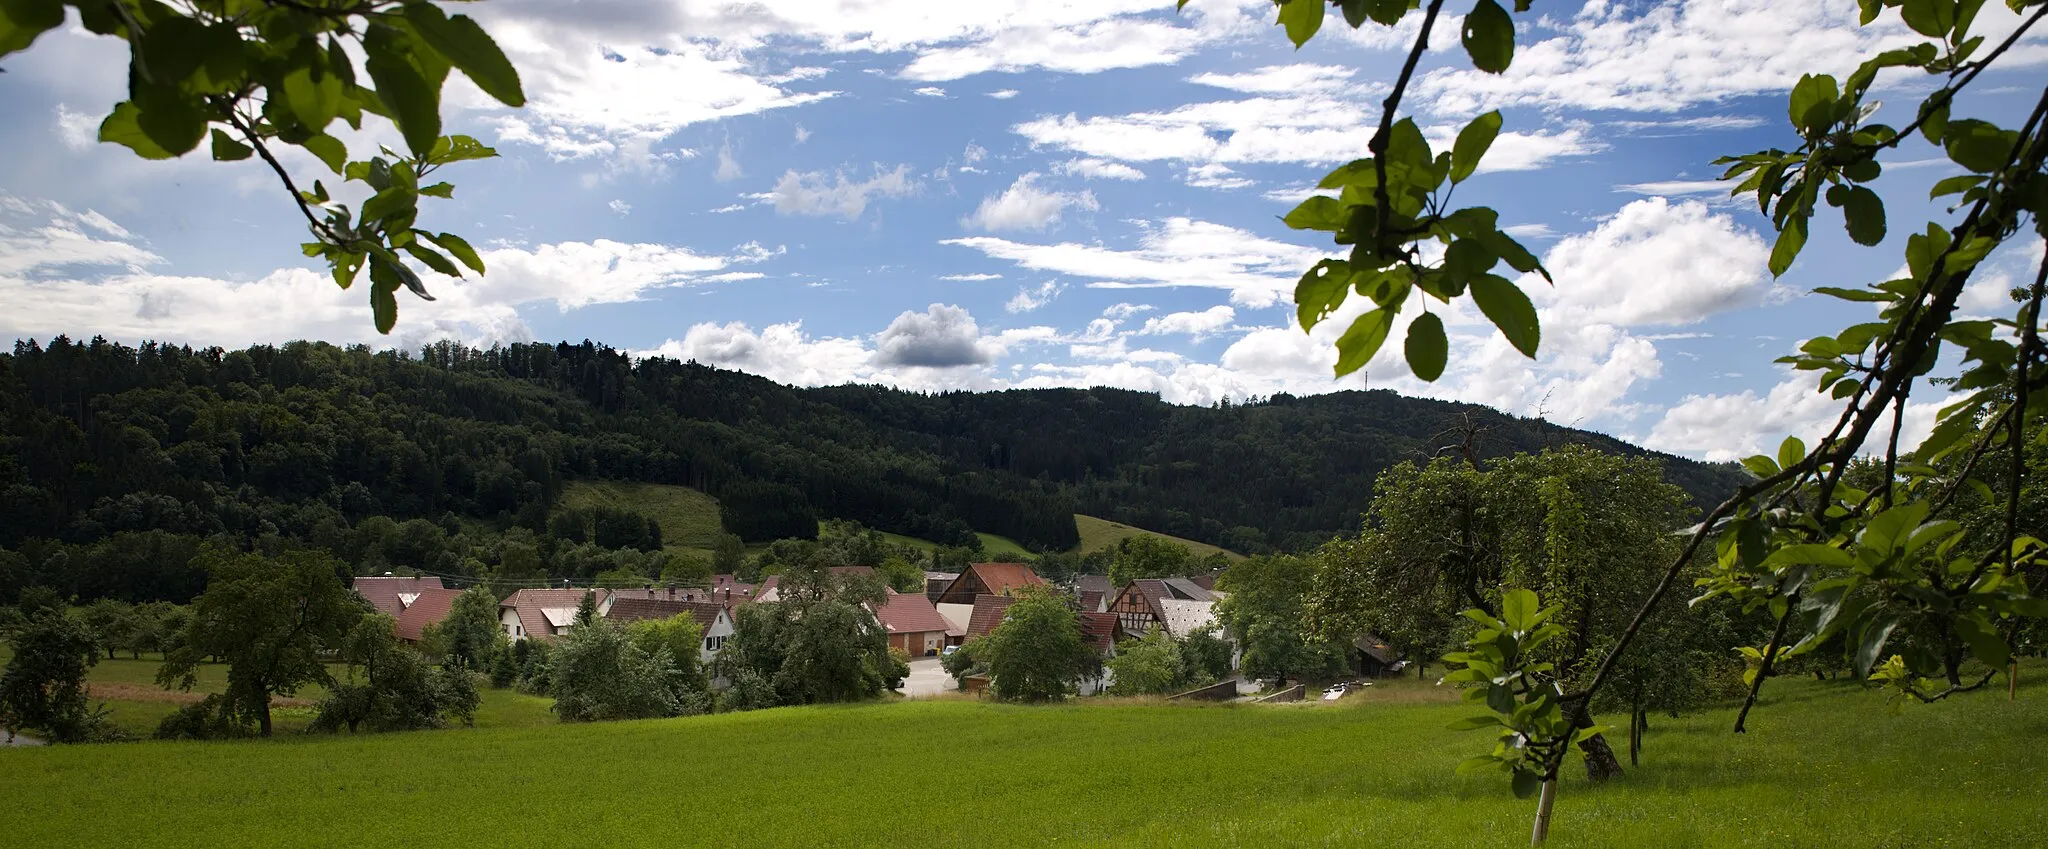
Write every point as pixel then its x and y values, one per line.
pixel 1943 97
pixel 249 134
pixel 1392 105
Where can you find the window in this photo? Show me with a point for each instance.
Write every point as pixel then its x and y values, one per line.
pixel 712 644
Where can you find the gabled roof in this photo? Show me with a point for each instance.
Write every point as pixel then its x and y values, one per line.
pixel 1182 617
pixel 530 604
pixel 1377 649
pixel 957 617
pixel 428 608
pixel 909 613
pixel 1092 601
pixel 991 579
pixel 636 609
pixel 1099 629
pixel 1093 583
pixel 384 592
pixel 989 611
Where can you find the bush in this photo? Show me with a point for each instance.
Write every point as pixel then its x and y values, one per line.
pixel 43 686
pixel 749 691
pixel 600 673
pixel 899 669
pixel 504 671
pixel 207 719
pixel 399 691
pixel 1151 666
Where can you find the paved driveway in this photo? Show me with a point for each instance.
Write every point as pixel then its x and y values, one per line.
pixel 927 678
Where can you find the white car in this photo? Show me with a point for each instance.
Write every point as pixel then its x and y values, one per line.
pixel 1335 692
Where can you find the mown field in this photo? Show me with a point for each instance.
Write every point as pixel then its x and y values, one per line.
pixel 1102 533
pixel 1824 765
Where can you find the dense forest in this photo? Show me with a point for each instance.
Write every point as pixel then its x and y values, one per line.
pixel 303 441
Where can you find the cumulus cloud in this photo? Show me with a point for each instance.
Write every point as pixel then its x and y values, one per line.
pixel 1216 176
pixel 813 193
pixel 929 91
pixel 1097 169
pixel 942 336
pixel 1026 206
pixel 1196 324
pixel 1032 297
pixel 779 352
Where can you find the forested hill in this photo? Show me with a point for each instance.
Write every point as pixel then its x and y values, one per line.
pixel 101 438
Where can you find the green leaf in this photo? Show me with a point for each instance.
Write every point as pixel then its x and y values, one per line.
pixel 1509 309
pixel 1858 295
pixel 1935 124
pixel 469 48
pixel 1760 465
pixel 390 204
pixel 1874 636
pixel 1389 12
pixel 1984 641
pixel 1357 12
pixel 455 245
pixel 172 118
pixel 1364 338
pixel 1978 146
pixel 1322 289
pixel 1319 212
pixel 329 149
pixel 1790 452
pixel 415 105
pixel 1953 185
pixel 22 20
pixel 1518 608
pixel 1510 251
pixel 432 259
pixel 1472 144
pixel 384 286
pixel 1301 18
pixel 1405 144
pixel 1813 103
pixel 439 190
pixel 1489 37
pixel 226 149
pixel 1931 18
pixel 1863 213
pixel 1427 347
pixel 1806 554
pixel 1526 783
pixel 1791 241
pixel 122 128
pixel 314 96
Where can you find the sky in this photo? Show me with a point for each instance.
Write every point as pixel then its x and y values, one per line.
pixel 1032 193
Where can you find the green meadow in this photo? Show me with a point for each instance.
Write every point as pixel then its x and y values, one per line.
pixel 1825 764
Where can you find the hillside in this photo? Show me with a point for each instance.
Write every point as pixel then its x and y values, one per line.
pixel 1824 765
pixel 1098 534
pixel 100 438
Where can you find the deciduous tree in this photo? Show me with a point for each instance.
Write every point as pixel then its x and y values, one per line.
pixel 270 618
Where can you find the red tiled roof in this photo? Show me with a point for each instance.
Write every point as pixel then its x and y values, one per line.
pixel 909 613
pixel 384 592
pixel 636 609
pixel 529 603
pixel 1090 600
pixel 1099 629
pixel 429 609
pixel 989 611
pixel 991 578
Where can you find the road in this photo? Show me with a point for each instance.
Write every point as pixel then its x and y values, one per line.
pixel 927 678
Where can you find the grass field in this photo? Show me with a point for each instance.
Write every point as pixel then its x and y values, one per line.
pixel 688 518
pixel 1824 765
pixel 1103 533
pixel 1002 548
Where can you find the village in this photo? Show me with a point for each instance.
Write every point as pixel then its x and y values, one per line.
pixel 924 627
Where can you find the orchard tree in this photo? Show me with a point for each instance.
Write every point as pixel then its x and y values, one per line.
pixel 43 686
pixel 1149 666
pixel 1264 611
pixel 390 687
pixel 1038 653
pixel 470 635
pixel 271 619
pixel 251 78
pixel 1147 556
pixel 1832 563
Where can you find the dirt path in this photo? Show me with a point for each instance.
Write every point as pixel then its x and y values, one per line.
pixel 116 692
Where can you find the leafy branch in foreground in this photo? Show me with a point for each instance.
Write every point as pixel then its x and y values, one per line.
pixel 249 76
pixel 1878 563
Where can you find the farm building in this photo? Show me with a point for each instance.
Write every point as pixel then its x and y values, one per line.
pixel 935 584
pixel 712 617
pixel 980 579
pixel 958 617
pixel 989 611
pixel 546 613
pixel 391 595
pixel 427 608
pixel 914 625
pixel 1093 592
pixel 1180 605
pixel 1377 659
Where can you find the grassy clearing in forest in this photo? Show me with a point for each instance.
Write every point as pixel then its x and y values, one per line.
pixel 1825 764
pixel 688 518
pixel 1103 533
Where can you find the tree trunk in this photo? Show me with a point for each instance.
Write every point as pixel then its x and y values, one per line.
pixel 1635 735
pixel 1601 763
pixel 263 719
pixel 2012 682
pixel 1541 831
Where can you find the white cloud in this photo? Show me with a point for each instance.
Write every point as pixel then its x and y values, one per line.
pixel 942 336
pixel 1215 176
pixel 1656 262
pixel 779 352
pixel 1119 312
pixel 1003 94
pixel 929 91
pixel 728 167
pixel 1675 188
pixel 1097 169
pixel 1721 427
pixel 1174 252
pixel 971 278
pixel 973 153
pixel 802 135
pixel 1529 231
pixel 1286 79
pixel 1195 324
pixel 1704 122
pixel 1080 47
pixel 1025 206
pixel 729 208
pixel 1032 297
pixel 621 207
pixel 812 193
pixel 78 130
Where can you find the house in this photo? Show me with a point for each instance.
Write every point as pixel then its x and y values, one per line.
pixel 771 587
pixel 935 584
pixel 1001 579
pixel 958 617
pixel 428 607
pixel 1098 629
pixel 1179 605
pixel 713 617
pixel 391 595
pixel 989 611
pixel 914 625
pixel 1092 593
pixel 546 613
pixel 1376 658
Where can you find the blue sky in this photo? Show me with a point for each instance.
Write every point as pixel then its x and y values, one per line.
pixel 1027 193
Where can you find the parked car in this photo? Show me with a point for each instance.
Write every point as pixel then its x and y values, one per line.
pixel 948 651
pixel 1335 692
